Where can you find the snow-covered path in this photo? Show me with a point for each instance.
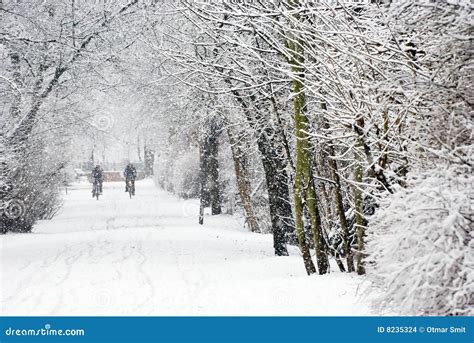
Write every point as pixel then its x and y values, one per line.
pixel 148 256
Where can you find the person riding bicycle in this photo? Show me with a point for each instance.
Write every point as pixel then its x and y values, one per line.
pixel 130 174
pixel 98 176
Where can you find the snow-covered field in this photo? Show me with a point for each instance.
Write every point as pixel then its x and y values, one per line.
pixel 148 256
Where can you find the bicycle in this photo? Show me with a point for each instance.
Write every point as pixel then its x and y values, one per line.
pixel 131 188
pixel 95 190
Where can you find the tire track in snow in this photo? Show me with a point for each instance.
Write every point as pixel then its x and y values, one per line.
pixel 37 274
pixel 145 275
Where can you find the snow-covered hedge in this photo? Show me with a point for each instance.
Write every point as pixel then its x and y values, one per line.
pixel 185 174
pixel 421 245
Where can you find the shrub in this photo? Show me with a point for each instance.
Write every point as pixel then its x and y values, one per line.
pixel 421 245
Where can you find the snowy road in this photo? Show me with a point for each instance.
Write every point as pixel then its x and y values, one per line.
pixel 148 256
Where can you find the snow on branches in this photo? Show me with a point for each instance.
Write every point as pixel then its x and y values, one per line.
pixel 421 245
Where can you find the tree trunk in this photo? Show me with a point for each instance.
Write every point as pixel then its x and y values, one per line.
pixel 139 151
pixel 304 187
pixel 16 103
pixel 320 245
pixel 149 160
pixel 304 247
pixel 209 170
pixel 359 219
pixel 213 170
pixel 341 213
pixel 243 183
pixel 276 177
pixel 278 197
pixel 339 202
pixel 203 163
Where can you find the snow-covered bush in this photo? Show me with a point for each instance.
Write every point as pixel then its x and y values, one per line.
pixel 421 245
pixel 185 174
pixel 31 182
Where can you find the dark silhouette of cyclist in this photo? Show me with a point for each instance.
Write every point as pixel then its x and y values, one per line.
pixel 130 174
pixel 98 176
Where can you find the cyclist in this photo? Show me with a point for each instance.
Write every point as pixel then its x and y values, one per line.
pixel 130 174
pixel 98 177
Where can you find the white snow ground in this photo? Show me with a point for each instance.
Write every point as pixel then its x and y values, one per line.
pixel 148 256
